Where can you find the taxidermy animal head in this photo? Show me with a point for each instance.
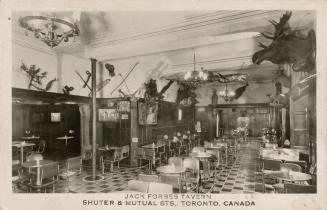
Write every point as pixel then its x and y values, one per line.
pixel 151 91
pixel 111 69
pixel 36 76
pixel 186 93
pixel 67 89
pixel 288 47
pixel 239 92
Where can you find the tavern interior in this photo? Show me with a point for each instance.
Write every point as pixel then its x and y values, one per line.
pixel 178 105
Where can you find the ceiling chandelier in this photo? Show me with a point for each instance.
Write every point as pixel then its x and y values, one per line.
pixel 226 94
pixel 50 30
pixel 195 78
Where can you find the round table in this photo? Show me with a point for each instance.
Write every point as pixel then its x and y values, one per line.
pixel 171 169
pixel 30 137
pixel 65 138
pixel 291 176
pixel 201 155
pixel 281 157
pixel 21 145
pixel 33 164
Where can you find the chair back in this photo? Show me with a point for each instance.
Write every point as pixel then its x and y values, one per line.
pixel 50 170
pixel 74 163
pixel 301 163
pixel 148 177
pixel 172 179
pixel 41 146
pixel 139 152
pixel 198 149
pixel 33 157
pixel 177 161
pixel 138 185
pixel 160 188
pixel 215 154
pixel 125 151
pixel 273 165
pixel 149 153
pixel 110 155
pixel 191 163
pixel 297 188
pixel 291 166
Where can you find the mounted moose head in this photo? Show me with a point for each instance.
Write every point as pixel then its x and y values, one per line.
pixel 288 47
pixel 151 92
pixel 186 95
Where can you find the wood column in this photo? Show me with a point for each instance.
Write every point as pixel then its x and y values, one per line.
pixel 94 115
pixel 133 161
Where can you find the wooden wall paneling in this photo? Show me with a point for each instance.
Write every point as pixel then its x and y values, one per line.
pixel 20 120
pixel 168 122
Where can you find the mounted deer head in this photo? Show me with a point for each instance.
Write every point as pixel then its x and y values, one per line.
pixel 288 47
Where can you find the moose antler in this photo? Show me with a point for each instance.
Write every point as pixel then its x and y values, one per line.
pixel 262 45
pixel 283 27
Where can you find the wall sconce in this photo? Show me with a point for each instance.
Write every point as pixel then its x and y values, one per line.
pixel 180 114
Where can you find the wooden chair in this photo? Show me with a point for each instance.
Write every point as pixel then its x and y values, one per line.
pixel 40 148
pixel 108 157
pixel 268 167
pixel 290 166
pixel 148 177
pixel 16 174
pixel 192 174
pixel 162 150
pixel 297 188
pixel 137 185
pixel 150 155
pixel 173 179
pixel 177 161
pixel 124 153
pixel 301 163
pixel 139 155
pixel 49 177
pixel 160 188
pixel 73 167
pixel 273 165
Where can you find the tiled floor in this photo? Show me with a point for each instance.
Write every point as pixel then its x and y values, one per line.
pixel 240 176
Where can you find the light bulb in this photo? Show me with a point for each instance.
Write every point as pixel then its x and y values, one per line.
pixel 187 76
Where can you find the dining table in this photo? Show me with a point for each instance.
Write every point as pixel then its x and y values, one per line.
pixel 202 156
pixel 37 164
pixel 281 154
pixel 30 138
pixel 171 169
pixel 291 176
pixel 218 147
pixel 22 145
pixel 154 146
pixel 66 138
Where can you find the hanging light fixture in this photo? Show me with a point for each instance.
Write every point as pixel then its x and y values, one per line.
pixel 226 94
pixel 50 30
pixel 195 78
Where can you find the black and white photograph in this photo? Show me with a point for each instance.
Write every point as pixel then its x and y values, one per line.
pixel 165 108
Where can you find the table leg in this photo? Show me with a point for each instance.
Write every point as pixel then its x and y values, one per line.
pixel 21 155
pixel 38 181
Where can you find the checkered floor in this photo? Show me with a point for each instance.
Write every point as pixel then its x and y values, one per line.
pixel 239 176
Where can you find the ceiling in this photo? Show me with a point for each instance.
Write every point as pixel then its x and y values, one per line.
pixel 223 41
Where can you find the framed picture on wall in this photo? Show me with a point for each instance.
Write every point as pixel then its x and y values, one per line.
pixel 123 106
pixel 148 113
pixel 55 117
pixel 107 115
